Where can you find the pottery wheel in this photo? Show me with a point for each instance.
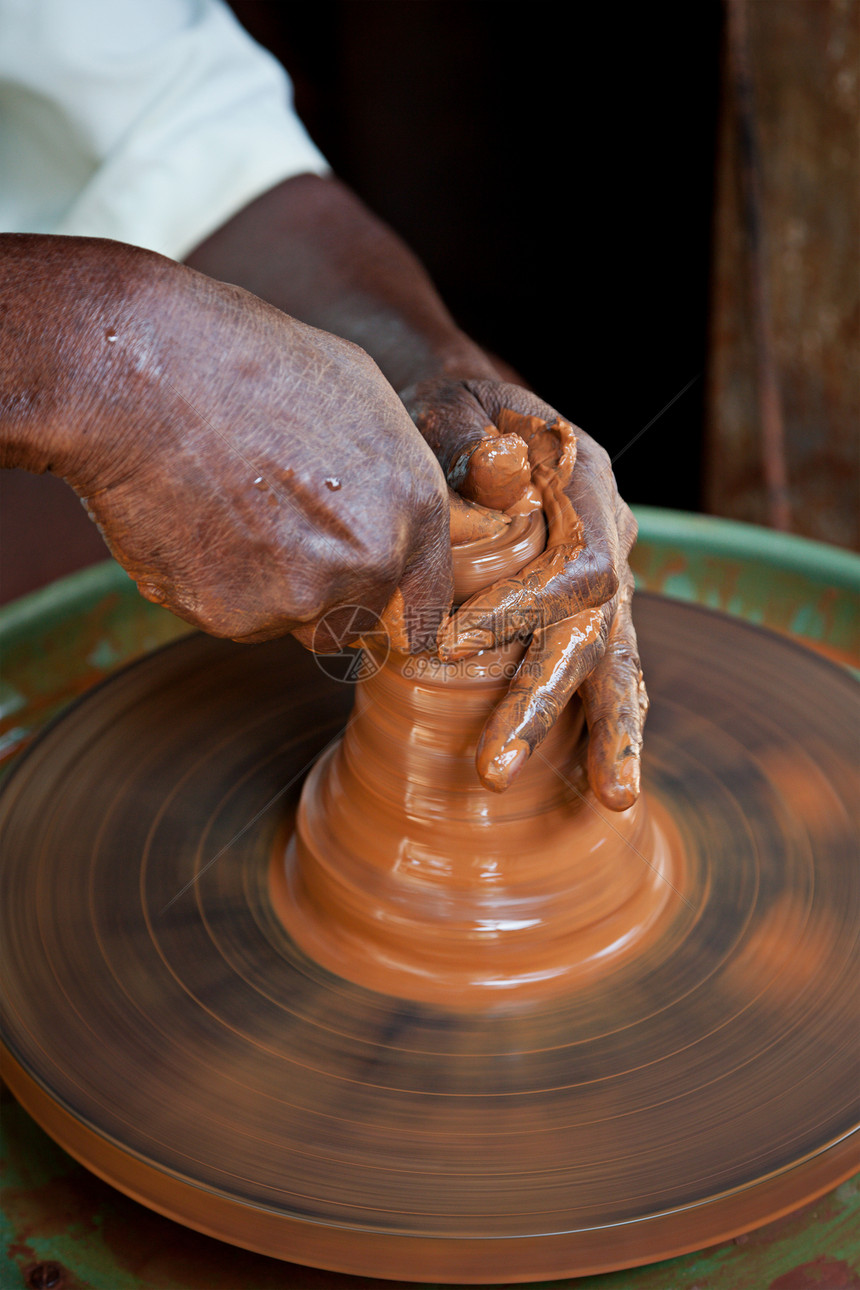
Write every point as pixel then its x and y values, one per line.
pixel 163 1026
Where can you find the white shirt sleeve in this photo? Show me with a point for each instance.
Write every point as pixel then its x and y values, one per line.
pixel 147 121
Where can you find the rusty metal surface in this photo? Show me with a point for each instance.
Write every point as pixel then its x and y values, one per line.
pixel 801 252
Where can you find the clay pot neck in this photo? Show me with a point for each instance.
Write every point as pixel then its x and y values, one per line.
pixel 477 565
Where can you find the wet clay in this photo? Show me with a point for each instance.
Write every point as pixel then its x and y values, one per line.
pixel 482 562
pixel 514 601
pixel 494 472
pixel 577 613
pixel 408 875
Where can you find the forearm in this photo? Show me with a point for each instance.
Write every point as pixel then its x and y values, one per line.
pixel 312 249
pixel 64 302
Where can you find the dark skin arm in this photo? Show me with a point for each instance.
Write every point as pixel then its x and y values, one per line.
pixel 311 248
pixel 229 454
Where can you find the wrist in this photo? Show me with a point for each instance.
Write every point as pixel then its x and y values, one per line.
pixel 449 357
pixel 313 250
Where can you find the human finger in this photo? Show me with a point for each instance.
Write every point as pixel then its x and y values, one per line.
pixel 616 705
pixel 560 583
pixel 554 667
pixel 467 522
pixel 486 467
pixel 406 602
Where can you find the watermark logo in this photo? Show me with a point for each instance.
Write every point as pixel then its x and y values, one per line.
pixel 350 664
pixel 426 667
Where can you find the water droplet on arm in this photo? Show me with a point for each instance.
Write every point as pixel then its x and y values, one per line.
pixel 332 484
pixel 110 335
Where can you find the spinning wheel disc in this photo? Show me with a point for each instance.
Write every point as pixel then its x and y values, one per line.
pixel 163 1026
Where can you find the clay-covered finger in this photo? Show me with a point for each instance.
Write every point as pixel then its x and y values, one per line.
pixel 607 523
pixel 412 615
pixel 616 704
pixel 490 437
pixel 563 525
pixel 519 450
pixel 551 440
pixel 555 665
pixel 487 468
pixel 558 584
pixel 405 610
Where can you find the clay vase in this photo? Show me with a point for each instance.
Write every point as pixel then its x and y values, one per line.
pixel 404 874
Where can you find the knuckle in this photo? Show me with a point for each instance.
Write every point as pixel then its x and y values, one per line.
pixel 382 566
pixel 606 580
pixel 231 622
pixel 547 709
pixel 593 573
pixel 599 461
pixel 304 605
pixel 294 589
pixel 626 522
pixel 627 659
pixel 377 554
pixel 602 458
pixel 357 356
pixel 602 560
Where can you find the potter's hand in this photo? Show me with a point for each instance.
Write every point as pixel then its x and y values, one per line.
pixel 251 473
pixel 575 598
pixel 311 248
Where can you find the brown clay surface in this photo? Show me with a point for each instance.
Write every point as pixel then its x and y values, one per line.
pixel 408 873
pixel 478 564
pixel 405 874
pixel 165 1026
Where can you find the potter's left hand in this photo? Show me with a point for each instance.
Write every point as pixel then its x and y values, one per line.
pixel 574 599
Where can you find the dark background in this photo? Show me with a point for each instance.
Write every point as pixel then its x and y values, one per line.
pixel 552 165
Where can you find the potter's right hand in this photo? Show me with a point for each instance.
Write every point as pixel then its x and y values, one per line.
pixel 573 601
pixel 251 473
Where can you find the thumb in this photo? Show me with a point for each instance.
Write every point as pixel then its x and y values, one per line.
pixel 423 597
pixel 480 461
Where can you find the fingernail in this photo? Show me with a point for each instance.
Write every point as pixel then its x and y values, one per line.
pixel 623 789
pixel 467 643
pixel 629 772
pixel 152 592
pixel 506 765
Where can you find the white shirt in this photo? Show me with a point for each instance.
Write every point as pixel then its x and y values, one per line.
pixel 147 121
